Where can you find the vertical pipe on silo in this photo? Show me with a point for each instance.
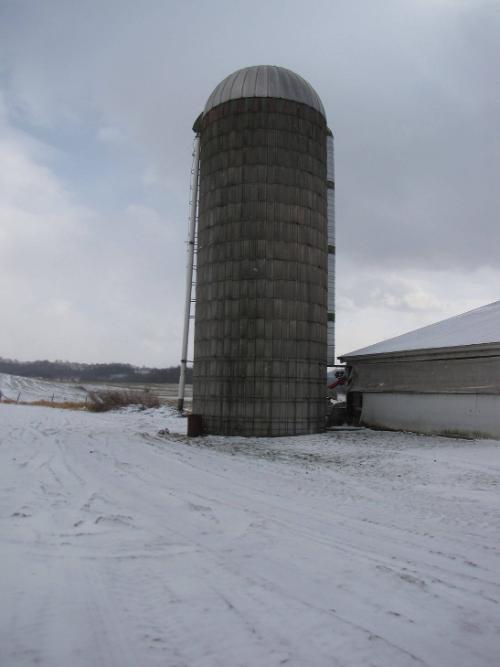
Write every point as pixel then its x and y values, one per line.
pixel 189 271
pixel 331 248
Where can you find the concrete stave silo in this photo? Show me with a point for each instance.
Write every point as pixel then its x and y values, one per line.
pixel 260 349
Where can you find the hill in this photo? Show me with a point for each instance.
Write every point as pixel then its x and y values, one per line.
pixel 76 372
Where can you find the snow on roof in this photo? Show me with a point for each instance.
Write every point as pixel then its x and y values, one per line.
pixel 476 327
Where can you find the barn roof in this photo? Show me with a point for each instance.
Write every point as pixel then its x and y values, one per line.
pixel 476 327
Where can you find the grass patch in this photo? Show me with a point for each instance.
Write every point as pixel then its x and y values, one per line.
pixel 64 405
pixel 103 401
pixel 98 401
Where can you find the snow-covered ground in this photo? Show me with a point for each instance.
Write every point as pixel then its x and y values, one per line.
pixel 31 389
pixel 27 390
pixel 121 547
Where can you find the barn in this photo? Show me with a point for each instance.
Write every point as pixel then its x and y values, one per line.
pixel 443 378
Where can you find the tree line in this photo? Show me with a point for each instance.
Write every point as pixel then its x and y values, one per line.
pixel 115 372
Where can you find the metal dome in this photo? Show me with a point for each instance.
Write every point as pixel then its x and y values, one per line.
pixel 265 81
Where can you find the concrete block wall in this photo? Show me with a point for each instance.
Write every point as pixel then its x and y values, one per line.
pixel 261 294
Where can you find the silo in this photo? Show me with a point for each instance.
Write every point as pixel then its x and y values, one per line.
pixel 260 343
pixel 330 182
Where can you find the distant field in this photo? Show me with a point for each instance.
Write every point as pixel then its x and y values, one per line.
pixel 167 393
pixel 14 387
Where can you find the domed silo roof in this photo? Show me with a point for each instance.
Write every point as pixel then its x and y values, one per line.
pixel 265 81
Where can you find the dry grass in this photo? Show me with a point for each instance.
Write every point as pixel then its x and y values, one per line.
pixel 98 401
pixel 103 401
pixel 64 405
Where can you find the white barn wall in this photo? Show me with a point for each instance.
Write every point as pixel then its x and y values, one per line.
pixel 447 414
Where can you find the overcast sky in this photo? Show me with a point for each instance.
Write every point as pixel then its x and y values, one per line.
pixel 97 102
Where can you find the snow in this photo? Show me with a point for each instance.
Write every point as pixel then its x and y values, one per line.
pixel 31 389
pixel 475 327
pixel 122 547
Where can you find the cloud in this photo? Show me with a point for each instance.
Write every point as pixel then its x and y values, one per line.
pixel 98 104
pixel 110 134
pixel 77 282
pixel 373 305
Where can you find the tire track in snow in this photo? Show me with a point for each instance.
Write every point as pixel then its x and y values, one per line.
pixel 204 558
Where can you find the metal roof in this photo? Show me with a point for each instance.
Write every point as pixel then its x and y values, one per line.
pixel 265 81
pixel 480 326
